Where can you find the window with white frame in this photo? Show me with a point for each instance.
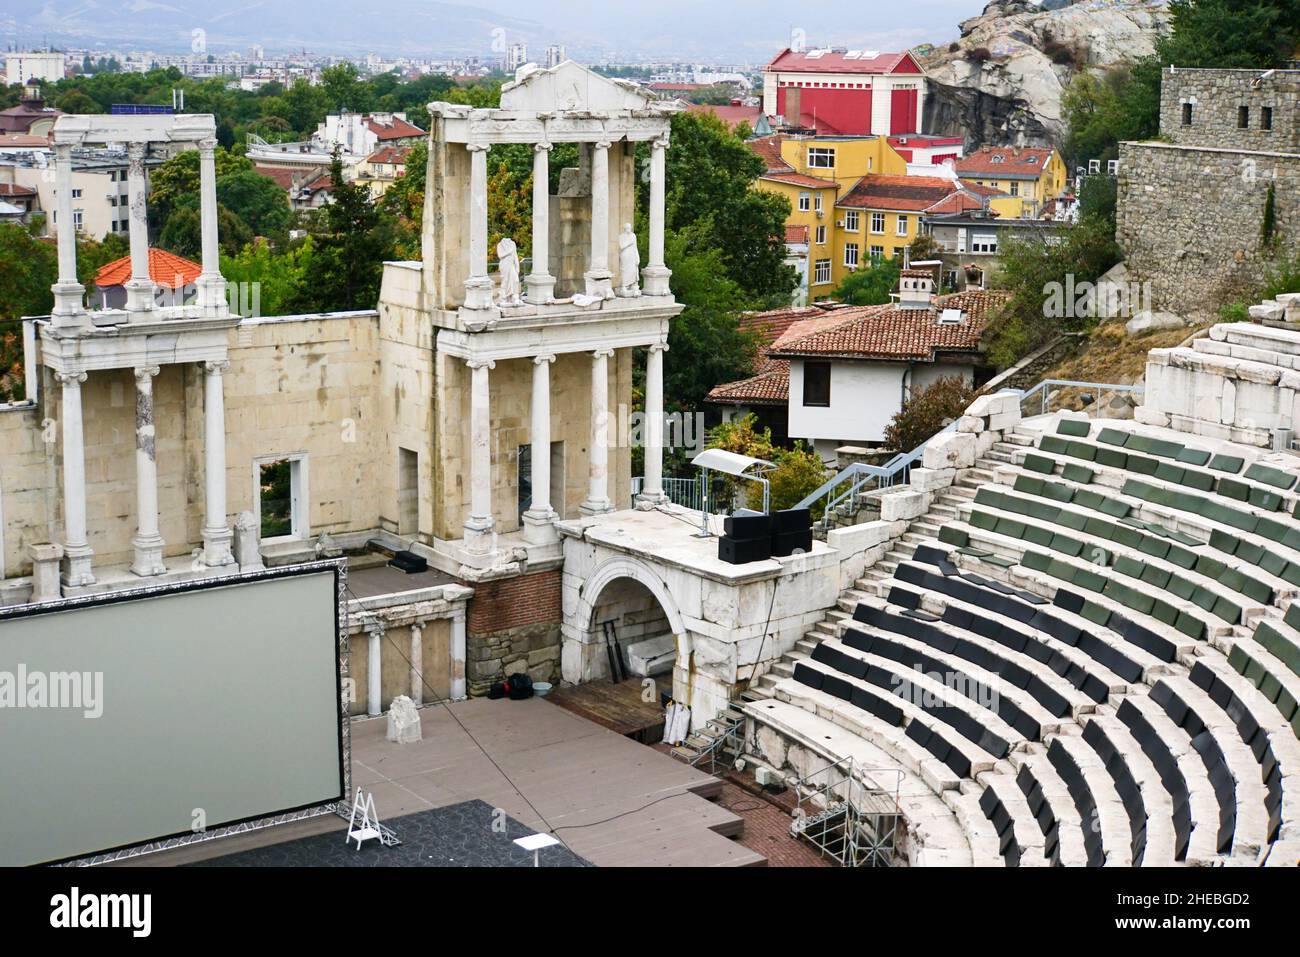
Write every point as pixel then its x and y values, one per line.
pixel 821 157
pixel 877 253
pixel 805 202
pixel 878 222
pixel 851 220
pixel 817 202
pixel 901 226
pixel 821 235
pixel 822 272
pixel 1015 188
pixel 280 496
pixel 851 255
pixel 76 220
pixel 984 243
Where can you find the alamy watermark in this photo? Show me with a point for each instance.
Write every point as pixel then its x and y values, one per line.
pixel 959 684
pixel 61 690
pixel 1095 300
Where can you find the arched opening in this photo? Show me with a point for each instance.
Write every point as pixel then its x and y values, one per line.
pixel 633 628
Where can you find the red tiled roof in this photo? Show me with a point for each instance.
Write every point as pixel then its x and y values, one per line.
pixel 731 115
pixel 393 155
pixel 887 332
pixel 768 149
pixel 396 129
pixel 788 61
pixel 796 234
pixel 12 140
pixel 907 193
pixel 165 269
pixel 800 179
pixel 954 203
pixel 771 386
pixel 683 87
pixel 283 177
pixel 1018 162
pixel 13 189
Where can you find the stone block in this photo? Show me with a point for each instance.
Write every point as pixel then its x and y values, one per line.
pixel 950 450
pixel 904 504
pixel 1149 321
pixel 45 558
pixel 403 721
pixel 927 480
pixel 985 441
pixel 856 538
pixel 1001 421
pixel 970 423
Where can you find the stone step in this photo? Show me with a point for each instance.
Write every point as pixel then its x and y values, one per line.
pixel 805 645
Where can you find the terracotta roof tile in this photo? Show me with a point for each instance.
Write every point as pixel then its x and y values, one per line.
pixel 908 193
pixel 165 269
pixel 790 61
pixel 770 386
pixel 800 179
pixel 395 130
pixel 1018 162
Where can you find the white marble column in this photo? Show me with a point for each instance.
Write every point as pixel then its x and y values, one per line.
pixel 540 283
pixel 216 529
pixel 652 489
pixel 655 274
pixel 417 664
pixel 76 552
pixel 458 652
pixel 478 287
pixel 478 527
pixel 69 302
pixel 539 520
pixel 374 672
pixel 211 286
pixel 599 278
pixel 148 542
pixel 139 288
pixel 598 455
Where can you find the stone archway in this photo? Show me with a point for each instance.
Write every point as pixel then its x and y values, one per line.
pixel 583 651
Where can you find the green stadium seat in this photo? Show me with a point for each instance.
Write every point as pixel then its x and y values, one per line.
pixel 1190 626
pixel 1227 463
pixel 1038 561
pixel 1081 474
pixel 1270 476
pixel 1111 458
pixel 1081 450
pixel 1193 456
pixel 1201 481
pixel 1039 463
pixel 1088 499
pixel 1072 520
pixel 1154 546
pixel 1155 575
pixel 997 560
pixel 1070 546
pixel 1073 427
pixel 1113 436
pixel 1268 501
pixel 1181 587
pixel 988 495
pixel 1292 616
pixel 1231 488
pixel 1182 557
pixel 953 536
pixel 1165 448
pixel 1057 492
pixel 1129 567
pixel 1114 507
pixel 1227 610
pixel 1181 537
pixel 1142 464
pixel 1138 443
pixel 1038 535
pixel 1128 537
pixel 1090 580
pixel 984 520
pixel 1054 444
pixel 1095 613
pixel 1010 528
pixel 1273 531
pixel 1169 472
pixel 1062 570
pixel 1028 485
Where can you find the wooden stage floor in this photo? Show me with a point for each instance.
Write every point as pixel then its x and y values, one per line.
pixel 620 707
pixel 612 801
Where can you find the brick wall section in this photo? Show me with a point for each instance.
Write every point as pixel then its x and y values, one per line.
pixel 513 625
pixel 515 602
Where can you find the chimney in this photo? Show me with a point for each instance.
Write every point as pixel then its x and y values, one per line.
pixel 915 287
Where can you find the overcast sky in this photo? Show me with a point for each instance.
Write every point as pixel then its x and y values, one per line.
pixel 686 29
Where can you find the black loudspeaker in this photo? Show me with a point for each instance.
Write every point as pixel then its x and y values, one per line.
pixel 409 562
pixel 791 520
pixel 746 523
pixel 740 551
pixel 787 543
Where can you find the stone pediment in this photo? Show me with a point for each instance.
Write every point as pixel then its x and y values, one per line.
pixel 571 87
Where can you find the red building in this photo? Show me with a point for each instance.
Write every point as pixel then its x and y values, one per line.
pixel 846 91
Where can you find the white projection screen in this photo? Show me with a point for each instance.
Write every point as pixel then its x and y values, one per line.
pixel 220 704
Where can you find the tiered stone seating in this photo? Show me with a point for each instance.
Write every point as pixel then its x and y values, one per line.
pixel 1122 598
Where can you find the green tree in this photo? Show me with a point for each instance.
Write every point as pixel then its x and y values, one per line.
pixel 257 200
pixel 266 279
pixel 798 471
pixel 1243 34
pixel 869 286
pixel 926 412
pixel 352 239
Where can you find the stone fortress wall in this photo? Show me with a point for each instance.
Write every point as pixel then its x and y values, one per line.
pixel 1191 206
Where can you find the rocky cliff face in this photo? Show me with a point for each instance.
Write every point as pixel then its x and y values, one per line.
pixel 1001 82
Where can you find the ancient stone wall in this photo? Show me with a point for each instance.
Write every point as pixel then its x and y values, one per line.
pixel 1217 99
pixel 1190 221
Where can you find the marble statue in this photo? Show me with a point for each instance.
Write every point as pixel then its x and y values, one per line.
pixel 508 259
pixel 629 263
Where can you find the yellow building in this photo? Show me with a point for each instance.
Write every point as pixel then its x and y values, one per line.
pixel 381 169
pixel 1031 175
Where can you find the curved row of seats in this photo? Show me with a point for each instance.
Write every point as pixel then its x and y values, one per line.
pixel 1121 685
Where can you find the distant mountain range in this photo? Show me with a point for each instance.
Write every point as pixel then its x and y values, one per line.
pixel 750 30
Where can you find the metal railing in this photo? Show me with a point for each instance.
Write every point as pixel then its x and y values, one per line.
pixel 1044 390
pixel 686 492
pixel 858 477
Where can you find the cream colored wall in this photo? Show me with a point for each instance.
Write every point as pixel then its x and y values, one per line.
pixel 26 464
